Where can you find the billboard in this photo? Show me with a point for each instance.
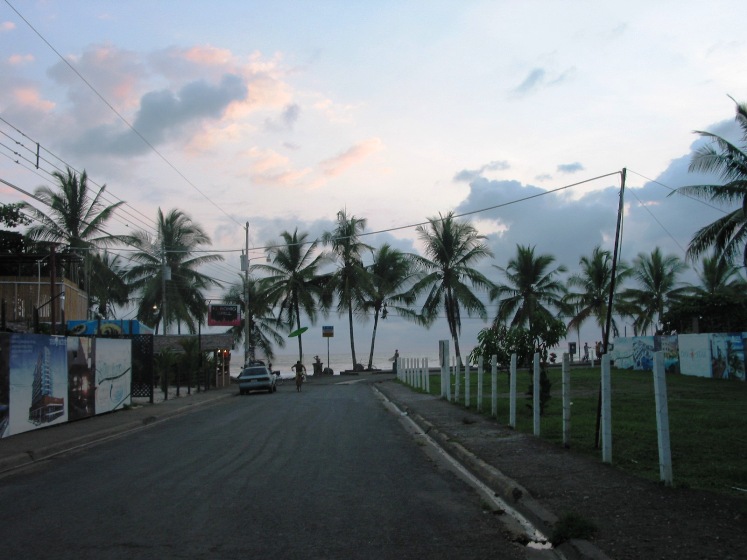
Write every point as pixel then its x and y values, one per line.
pixel 223 316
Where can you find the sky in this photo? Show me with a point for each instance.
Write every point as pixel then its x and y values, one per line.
pixel 279 114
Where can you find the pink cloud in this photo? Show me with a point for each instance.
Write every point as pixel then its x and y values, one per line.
pixel 335 166
pixel 29 97
pixel 17 59
pixel 7 26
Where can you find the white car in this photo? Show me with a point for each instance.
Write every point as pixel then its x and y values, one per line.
pixel 256 378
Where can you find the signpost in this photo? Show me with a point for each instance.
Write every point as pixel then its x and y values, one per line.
pixel 328 331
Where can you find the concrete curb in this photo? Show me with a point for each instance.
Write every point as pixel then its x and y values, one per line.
pixel 504 487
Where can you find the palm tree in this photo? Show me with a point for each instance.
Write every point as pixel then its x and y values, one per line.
pixel 75 217
pixel 533 288
pixel 107 284
pixel 390 271
pixel 592 299
pixel 351 280
pixel 727 234
pixel 718 277
pixel 656 275
pixel 294 281
pixel 452 250
pixel 250 294
pixel 173 249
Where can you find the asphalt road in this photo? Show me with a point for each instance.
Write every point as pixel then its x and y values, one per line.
pixel 325 473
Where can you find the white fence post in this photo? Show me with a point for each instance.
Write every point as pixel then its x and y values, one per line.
pixel 606 410
pixel 479 383
pixel 512 394
pixel 566 400
pixel 494 387
pixel 662 419
pixel 536 394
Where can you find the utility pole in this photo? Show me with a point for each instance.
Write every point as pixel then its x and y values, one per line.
pixel 246 297
pixel 165 271
pixel 620 209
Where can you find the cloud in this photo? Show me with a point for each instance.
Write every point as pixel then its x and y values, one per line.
pixel 163 113
pixel 570 167
pixel 7 26
pixel 18 59
pixel 531 83
pixel 287 119
pixel 30 98
pixel 467 175
pixel 335 166
pixel 539 78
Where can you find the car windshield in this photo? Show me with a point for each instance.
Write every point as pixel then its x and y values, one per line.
pixel 253 371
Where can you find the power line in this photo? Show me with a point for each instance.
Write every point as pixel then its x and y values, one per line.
pixel 119 115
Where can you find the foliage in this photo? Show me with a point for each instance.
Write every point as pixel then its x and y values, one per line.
pixel 715 313
pixel 107 288
pixel 177 241
pixel 657 277
pixel 572 526
pixel 593 282
pixel 532 291
pixel 390 273
pixel 252 296
pixel 727 235
pixel 350 281
pixel 447 271
pixel 294 282
pixel 502 341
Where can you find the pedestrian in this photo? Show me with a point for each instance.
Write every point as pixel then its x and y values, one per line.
pixel 586 351
pixel 599 350
pixel 395 359
pixel 300 370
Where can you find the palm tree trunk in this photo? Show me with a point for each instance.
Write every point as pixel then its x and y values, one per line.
pixel 352 339
pixel 373 339
pixel 298 326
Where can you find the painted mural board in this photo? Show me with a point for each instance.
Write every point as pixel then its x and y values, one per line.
pixel 636 353
pixel 37 382
pixel 112 364
pixel 81 384
pixel 727 356
pixel 695 354
pixel 669 346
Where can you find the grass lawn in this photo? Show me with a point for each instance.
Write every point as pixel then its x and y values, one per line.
pixel 707 422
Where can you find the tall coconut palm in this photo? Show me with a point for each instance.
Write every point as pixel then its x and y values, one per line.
pixel 452 250
pixel 717 276
pixel 294 282
pixel 533 289
pixel 175 248
pixel 75 217
pixel 729 162
pixel 351 280
pixel 657 276
pixel 593 282
pixel 251 295
pixel 391 272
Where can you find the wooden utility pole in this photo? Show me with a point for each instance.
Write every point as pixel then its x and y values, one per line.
pixel 607 327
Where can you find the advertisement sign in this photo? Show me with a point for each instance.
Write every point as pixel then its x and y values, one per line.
pixel 223 316
pixel 328 331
